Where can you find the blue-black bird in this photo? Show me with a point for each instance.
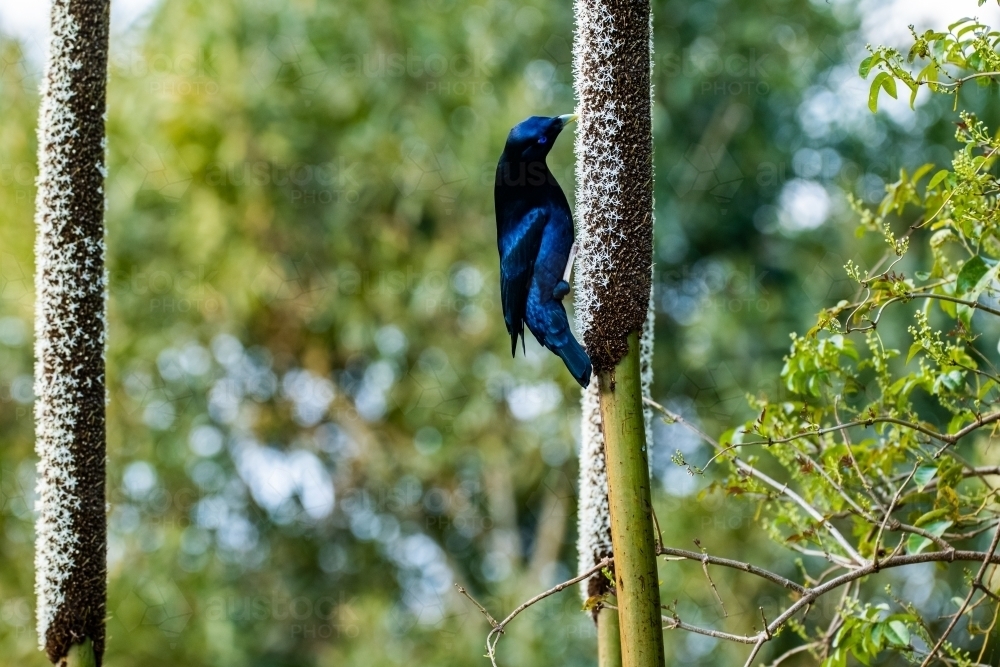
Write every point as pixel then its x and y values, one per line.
pixel 535 236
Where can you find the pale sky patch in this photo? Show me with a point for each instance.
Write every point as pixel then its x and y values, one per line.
pixel 29 21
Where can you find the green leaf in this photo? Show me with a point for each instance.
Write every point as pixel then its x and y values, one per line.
pixel 933 515
pixel 897 633
pixel 924 475
pixel 937 178
pixel 866 66
pixel 873 96
pixel 967 29
pixel 889 83
pixel 938 527
pixel 959 22
pixel 969 276
pixel 975 276
pixel 837 659
pixel 876 88
pixel 917 543
pixel 921 171
pixel 883 81
pixel 928 73
pixel 877 635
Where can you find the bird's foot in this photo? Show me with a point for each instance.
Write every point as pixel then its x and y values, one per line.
pixel 560 290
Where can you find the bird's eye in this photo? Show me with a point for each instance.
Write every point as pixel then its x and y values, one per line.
pixel 543 139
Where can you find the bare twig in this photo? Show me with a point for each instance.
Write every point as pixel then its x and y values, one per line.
pixel 854 462
pixel 656 527
pixel 678 624
pixel 986 633
pixel 498 627
pixel 888 513
pixel 989 523
pixel 493 621
pixel 761 640
pixel 763 618
pixel 675 623
pixel 734 564
pixel 789 653
pixel 839 562
pixel 977 584
pixel 704 568
pixel 975 305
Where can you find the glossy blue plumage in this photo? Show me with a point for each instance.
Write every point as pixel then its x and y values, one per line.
pixel 534 237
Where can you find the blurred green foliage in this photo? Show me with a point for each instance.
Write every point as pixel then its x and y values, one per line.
pixel 314 427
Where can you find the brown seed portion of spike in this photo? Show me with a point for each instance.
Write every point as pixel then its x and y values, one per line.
pixel 615 173
pixel 70 332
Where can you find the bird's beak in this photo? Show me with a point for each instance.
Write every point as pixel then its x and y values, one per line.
pixel 568 118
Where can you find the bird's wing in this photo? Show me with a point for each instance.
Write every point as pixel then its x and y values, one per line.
pixel 519 248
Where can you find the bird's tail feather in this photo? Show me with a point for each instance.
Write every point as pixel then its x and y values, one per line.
pixel 576 360
pixel 513 342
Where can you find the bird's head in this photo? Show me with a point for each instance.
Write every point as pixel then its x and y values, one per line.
pixel 532 138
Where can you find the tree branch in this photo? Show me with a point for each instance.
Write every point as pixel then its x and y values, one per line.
pixel 734 564
pixel 976 585
pixel 781 488
pixel 811 594
pixel 498 627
